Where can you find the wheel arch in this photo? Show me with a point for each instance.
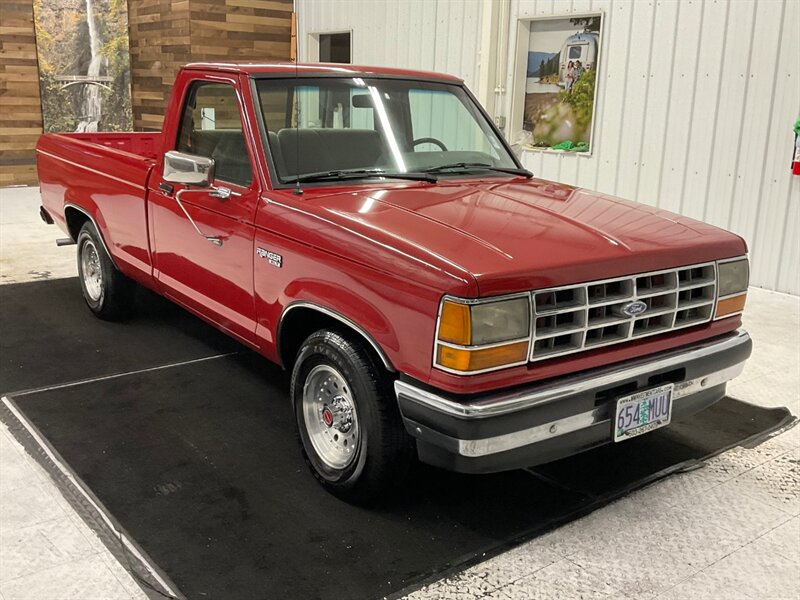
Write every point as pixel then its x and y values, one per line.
pixel 302 318
pixel 75 217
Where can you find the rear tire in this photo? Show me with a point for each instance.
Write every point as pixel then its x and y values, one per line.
pixel 108 293
pixel 348 422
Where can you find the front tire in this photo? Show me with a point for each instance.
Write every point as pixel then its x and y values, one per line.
pixel 348 422
pixel 107 292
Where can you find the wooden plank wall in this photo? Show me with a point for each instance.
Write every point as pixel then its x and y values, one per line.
pixel 20 107
pixel 164 34
pixel 159 45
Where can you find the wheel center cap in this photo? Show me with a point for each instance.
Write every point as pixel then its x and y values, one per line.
pixel 338 414
pixel 327 416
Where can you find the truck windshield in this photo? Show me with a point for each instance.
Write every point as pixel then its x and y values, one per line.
pixel 340 129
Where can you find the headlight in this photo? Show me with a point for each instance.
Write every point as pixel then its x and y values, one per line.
pixel 733 277
pixel 484 335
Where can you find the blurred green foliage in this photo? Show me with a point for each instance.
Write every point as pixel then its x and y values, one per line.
pixel 581 98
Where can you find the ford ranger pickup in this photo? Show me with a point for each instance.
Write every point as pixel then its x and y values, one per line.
pixel 370 230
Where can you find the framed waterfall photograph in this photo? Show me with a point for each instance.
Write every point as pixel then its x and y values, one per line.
pixel 84 65
pixel 558 59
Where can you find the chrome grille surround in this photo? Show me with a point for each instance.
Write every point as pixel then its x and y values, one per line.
pixel 585 316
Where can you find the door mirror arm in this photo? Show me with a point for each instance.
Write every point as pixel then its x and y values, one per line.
pixel 222 193
pixel 192 170
pixel 213 239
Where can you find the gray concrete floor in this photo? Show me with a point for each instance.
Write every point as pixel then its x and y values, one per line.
pixel 729 530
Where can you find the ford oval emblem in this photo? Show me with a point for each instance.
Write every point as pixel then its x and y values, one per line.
pixel 635 308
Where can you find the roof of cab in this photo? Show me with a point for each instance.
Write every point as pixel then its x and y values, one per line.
pixel 305 69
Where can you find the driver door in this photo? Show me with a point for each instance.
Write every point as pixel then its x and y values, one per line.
pixel 212 277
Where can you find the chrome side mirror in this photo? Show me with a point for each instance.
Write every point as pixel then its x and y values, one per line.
pixel 188 169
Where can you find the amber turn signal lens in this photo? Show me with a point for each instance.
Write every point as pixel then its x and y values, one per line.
pixel 730 306
pixel 454 324
pixel 460 359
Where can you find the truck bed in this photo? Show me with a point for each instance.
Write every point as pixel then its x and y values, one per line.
pixel 105 175
pixel 142 144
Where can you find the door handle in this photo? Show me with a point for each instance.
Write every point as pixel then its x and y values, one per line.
pixel 211 238
pixel 222 193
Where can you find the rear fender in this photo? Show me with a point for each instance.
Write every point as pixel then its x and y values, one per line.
pixel 98 223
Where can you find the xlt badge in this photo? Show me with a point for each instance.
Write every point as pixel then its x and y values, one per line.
pixel 276 260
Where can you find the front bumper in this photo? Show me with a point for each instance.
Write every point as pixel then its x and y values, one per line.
pixel 561 417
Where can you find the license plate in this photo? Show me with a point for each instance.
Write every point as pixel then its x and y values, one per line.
pixel 642 412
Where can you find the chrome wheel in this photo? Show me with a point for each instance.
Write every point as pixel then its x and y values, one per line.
pixel 330 416
pixel 91 271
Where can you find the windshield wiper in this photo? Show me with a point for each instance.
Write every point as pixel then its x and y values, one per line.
pixel 343 174
pixel 472 166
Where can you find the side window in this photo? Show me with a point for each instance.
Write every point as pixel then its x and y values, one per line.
pixel 211 126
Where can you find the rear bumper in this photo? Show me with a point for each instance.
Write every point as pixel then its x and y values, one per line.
pixel 557 418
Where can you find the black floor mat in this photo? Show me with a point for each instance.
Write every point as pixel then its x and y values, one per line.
pixel 49 336
pixel 200 465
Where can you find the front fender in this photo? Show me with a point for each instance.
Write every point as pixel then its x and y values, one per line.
pixel 348 307
pixel 342 319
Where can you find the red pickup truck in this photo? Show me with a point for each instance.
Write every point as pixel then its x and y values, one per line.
pixel 371 231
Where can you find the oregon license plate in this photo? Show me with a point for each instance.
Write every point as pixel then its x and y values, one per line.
pixel 642 412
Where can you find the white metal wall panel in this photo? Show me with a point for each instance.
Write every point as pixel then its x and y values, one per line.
pixel 778 224
pixel 635 76
pixel 432 35
pixel 680 118
pixel 764 64
pixel 730 111
pixel 695 116
pixel 608 127
pixel 704 110
pixel 654 135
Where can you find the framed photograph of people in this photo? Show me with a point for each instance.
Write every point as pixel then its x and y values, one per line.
pixel 561 58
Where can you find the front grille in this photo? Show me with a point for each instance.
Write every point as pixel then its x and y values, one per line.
pixel 586 316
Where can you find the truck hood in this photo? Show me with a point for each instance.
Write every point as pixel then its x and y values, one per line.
pixel 515 235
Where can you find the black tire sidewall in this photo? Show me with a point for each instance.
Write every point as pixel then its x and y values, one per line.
pixel 117 292
pixel 332 349
pixel 88 233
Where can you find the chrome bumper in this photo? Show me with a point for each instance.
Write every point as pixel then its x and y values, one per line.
pixel 461 428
